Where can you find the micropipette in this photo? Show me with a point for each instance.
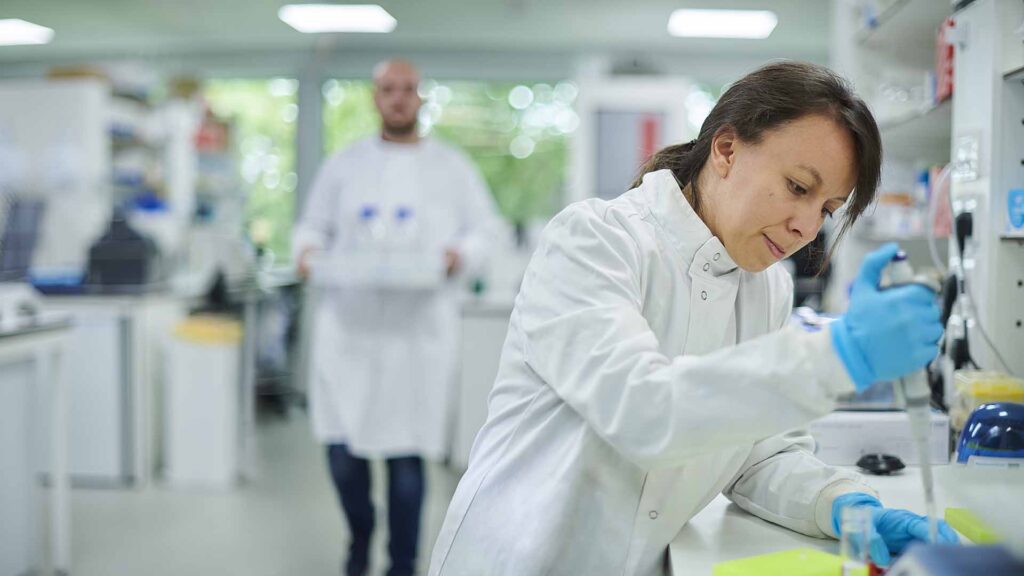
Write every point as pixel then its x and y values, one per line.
pixel 914 394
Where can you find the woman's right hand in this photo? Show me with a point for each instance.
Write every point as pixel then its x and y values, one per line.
pixel 886 334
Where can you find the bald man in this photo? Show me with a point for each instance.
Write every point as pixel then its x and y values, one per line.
pixel 396 95
pixel 383 356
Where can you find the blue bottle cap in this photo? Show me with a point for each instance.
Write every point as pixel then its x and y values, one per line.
pixel 368 211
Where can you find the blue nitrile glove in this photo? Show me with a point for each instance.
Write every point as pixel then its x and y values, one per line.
pixel 888 333
pixel 892 530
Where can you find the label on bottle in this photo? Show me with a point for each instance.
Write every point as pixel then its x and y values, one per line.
pixel 1015 209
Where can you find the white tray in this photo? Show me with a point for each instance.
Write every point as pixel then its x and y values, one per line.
pixel 393 270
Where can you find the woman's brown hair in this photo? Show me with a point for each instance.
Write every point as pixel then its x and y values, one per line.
pixel 768 98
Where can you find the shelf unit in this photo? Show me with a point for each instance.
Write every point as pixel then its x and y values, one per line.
pixel 904 27
pixel 57 134
pixel 888 61
pixel 919 135
pixel 887 58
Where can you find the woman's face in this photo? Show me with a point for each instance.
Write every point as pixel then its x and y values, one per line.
pixel 766 201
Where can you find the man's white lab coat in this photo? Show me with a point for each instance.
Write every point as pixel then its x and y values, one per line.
pixel 383 360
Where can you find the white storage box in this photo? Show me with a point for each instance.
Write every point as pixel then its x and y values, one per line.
pixel 843 437
pixel 408 270
pixel 202 399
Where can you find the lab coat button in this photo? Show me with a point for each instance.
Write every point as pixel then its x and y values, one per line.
pixel 707 266
pixel 703 295
pixel 653 515
pixel 717 256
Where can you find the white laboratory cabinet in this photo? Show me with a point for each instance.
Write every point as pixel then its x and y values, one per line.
pixel 31 355
pixel 18 530
pixel 114 374
pixel 484 325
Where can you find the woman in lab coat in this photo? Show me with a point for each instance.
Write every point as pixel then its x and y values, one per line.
pixel 649 367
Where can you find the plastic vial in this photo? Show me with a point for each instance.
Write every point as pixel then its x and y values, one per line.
pixel 405 233
pixel 371 230
pixel 855 539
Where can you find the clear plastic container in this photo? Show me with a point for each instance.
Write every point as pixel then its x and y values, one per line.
pixel 405 229
pixel 371 230
pixel 855 540
pixel 977 387
pixel 387 253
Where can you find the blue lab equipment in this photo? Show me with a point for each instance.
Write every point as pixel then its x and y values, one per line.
pixel 993 431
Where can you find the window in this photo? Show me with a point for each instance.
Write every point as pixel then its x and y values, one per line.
pixel 263 113
pixel 516 134
pixel 699 103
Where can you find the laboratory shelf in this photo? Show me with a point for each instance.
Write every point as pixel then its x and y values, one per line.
pixel 905 27
pixel 882 238
pixel 924 134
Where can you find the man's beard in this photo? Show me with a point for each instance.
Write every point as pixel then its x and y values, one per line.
pixel 400 129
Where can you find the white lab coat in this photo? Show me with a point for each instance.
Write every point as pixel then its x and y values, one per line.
pixel 623 404
pixel 383 360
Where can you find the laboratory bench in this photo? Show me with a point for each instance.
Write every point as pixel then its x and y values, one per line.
pixel 114 367
pixel 723 531
pixel 33 378
pixel 116 419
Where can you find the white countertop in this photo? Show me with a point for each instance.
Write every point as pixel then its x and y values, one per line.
pixel 723 531
pixel 40 322
pixel 60 301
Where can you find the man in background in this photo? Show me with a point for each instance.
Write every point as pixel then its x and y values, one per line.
pixel 383 358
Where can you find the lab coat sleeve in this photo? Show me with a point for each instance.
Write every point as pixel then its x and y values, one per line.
pixel 481 227
pixel 315 227
pixel 579 310
pixel 782 481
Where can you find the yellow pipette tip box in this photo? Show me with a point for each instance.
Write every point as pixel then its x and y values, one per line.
pixel 798 562
pixel 966 523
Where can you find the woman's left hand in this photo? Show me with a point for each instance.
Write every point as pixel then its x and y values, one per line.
pixel 892 530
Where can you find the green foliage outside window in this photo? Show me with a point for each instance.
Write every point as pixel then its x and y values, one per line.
pixel 348 113
pixel 517 135
pixel 263 114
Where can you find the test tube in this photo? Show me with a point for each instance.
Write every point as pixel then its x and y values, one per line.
pixel 855 540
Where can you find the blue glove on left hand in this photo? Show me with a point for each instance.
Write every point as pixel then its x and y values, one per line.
pixel 893 530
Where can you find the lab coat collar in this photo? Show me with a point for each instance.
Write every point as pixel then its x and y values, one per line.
pixel 703 253
pixel 402 147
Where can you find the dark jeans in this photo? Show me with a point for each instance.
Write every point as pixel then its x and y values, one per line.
pixel 405 499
